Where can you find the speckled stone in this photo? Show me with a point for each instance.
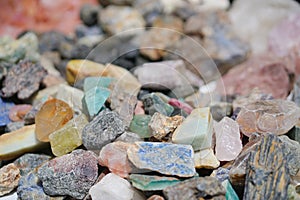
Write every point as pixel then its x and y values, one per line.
pixel 166 158
pixel 9 178
pixel 30 161
pixel 196 188
pixel 4 112
pixel 71 174
pixel 103 129
pixel 153 103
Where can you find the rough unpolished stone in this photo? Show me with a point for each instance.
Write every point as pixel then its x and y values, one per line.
pixel 114 156
pixel 72 96
pixel 196 188
pixel 230 193
pixel 151 183
pixel 162 125
pixel 4 112
pixel 91 82
pixel 18 112
pixel 196 129
pixel 30 161
pixel 13 126
pixel 139 125
pixel 53 115
pixel 71 174
pixel 68 138
pixel 9 178
pixel 129 137
pixel 166 158
pixel 267 172
pixel 23 79
pixel 228 142
pixel 206 159
pixel 114 187
pixel 16 143
pixel 103 129
pixel 153 103
pixel 273 116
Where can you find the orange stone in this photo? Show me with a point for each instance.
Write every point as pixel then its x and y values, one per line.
pixel 53 115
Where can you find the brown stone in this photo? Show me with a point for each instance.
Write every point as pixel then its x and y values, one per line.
pixel 9 178
pixel 18 112
pixel 169 22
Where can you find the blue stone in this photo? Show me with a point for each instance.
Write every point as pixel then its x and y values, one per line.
pixel 93 100
pixel 165 158
pixel 4 112
pixel 99 82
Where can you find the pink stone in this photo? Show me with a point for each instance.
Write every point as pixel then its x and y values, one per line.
pixel 139 108
pixel 18 112
pixel 114 156
pixel 182 105
pixel 228 142
pixel 265 72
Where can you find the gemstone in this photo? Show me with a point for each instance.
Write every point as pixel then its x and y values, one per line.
pixel 230 193
pixel 94 100
pixel 9 178
pixel 68 138
pixel 112 186
pixel 206 159
pixel 139 125
pixel 16 143
pixel 53 115
pixel 24 79
pixel 103 129
pixel 267 174
pixel 228 142
pixel 165 158
pixel 195 130
pixel 72 174
pixel 181 105
pixel 269 116
pixel 196 188
pixel 139 108
pixel 151 183
pixel 114 156
pixel 18 112
pixel 153 103
pixel 162 125
pixel 99 82
pixel 4 112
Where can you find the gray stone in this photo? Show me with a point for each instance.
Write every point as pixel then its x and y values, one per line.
pixel 89 14
pixel 28 162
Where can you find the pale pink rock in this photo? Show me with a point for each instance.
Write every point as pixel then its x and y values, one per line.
pixel 228 142
pixel 182 105
pixel 139 108
pixel 114 156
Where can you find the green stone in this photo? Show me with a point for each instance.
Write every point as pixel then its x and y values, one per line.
pixel 93 100
pixel 195 130
pixel 139 125
pixel 153 103
pixel 230 192
pixel 68 137
pixel 91 82
pixel 152 183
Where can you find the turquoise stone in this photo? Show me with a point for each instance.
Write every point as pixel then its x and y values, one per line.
pixel 165 158
pixel 99 82
pixel 230 192
pixel 139 125
pixel 93 100
pixel 152 183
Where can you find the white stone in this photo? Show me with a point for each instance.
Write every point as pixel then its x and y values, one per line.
pixel 70 95
pixel 206 159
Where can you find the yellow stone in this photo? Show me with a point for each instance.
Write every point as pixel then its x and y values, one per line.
pixel 53 115
pixel 68 137
pixel 18 142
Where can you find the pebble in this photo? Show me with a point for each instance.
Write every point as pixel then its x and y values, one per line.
pixel 102 82
pixel 53 115
pixel 72 174
pixel 166 158
pixel 139 125
pixel 228 142
pixel 68 138
pixel 5 107
pixel 196 130
pixel 269 116
pixel 103 129
pixel 18 112
pixel 206 159
pixel 139 108
pixel 72 96
pixel 129 137
pixel 13 126
pixel 18 142
pixel 89 14
pixel 23 79
pixel 9 178
pixel 153 103
pixel 196 188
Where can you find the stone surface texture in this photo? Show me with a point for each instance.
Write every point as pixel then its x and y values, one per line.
pixel 9 178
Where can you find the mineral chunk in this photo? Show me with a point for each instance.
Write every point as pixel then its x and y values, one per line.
pixel 151 183
pixel 162 125
pixel 72 96
pixel 139 125
pixel 53 115
pixel 196 188
pixel 170 159
pixel 273 116
pixel 71 174
pixel 102 82
pixel 23 79
pixel 9 178
pixel 103 129
pixel 267 172
pixel 195 130
pixel 16 143
pixel 18 112
pixel 206 159
pixel 68 138
pixel 4 112
pixel 153 103
pixel 30 161
pixel 228 142
pixel 230 193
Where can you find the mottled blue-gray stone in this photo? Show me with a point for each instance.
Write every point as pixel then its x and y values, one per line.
pixel 165 158
pixel 4 111
pixel 30 161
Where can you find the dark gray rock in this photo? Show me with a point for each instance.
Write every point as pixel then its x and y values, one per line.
pixel 103 129
pixel 73 174
pixel 82 31
pixel 30 161
pixel 50 41
pixel 89 14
